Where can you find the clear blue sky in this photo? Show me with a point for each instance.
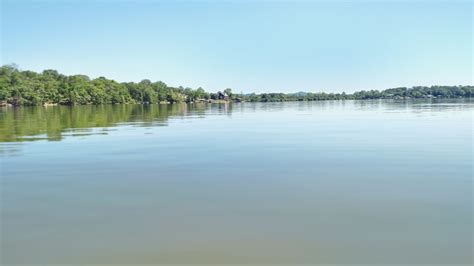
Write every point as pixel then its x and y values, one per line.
pixel 248 46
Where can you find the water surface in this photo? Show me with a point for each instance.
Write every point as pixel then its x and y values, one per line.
pixel 335 182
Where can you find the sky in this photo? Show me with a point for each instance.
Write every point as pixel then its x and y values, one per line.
pixel 249 46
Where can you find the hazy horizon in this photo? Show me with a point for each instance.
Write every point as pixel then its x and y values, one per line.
pixel 246 46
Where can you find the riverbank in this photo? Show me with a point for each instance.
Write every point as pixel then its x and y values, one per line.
pixel 5 104
pixel 210 101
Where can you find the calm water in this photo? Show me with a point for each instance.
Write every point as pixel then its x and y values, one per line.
pixel 352 182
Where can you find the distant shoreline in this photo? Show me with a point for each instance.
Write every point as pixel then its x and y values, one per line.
pixel 29 88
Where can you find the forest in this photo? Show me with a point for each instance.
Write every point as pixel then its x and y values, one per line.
pixel 18 88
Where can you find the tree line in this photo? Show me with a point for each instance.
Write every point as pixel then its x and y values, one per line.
pixel 50 87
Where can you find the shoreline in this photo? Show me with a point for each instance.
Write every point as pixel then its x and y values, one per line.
pixel 8 105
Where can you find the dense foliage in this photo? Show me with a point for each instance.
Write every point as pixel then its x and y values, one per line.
pixel 49 87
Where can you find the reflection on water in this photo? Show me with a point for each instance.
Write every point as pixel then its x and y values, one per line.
pixel 335 182
pixel 56 122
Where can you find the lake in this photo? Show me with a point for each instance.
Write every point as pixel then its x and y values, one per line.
pixel 329 182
